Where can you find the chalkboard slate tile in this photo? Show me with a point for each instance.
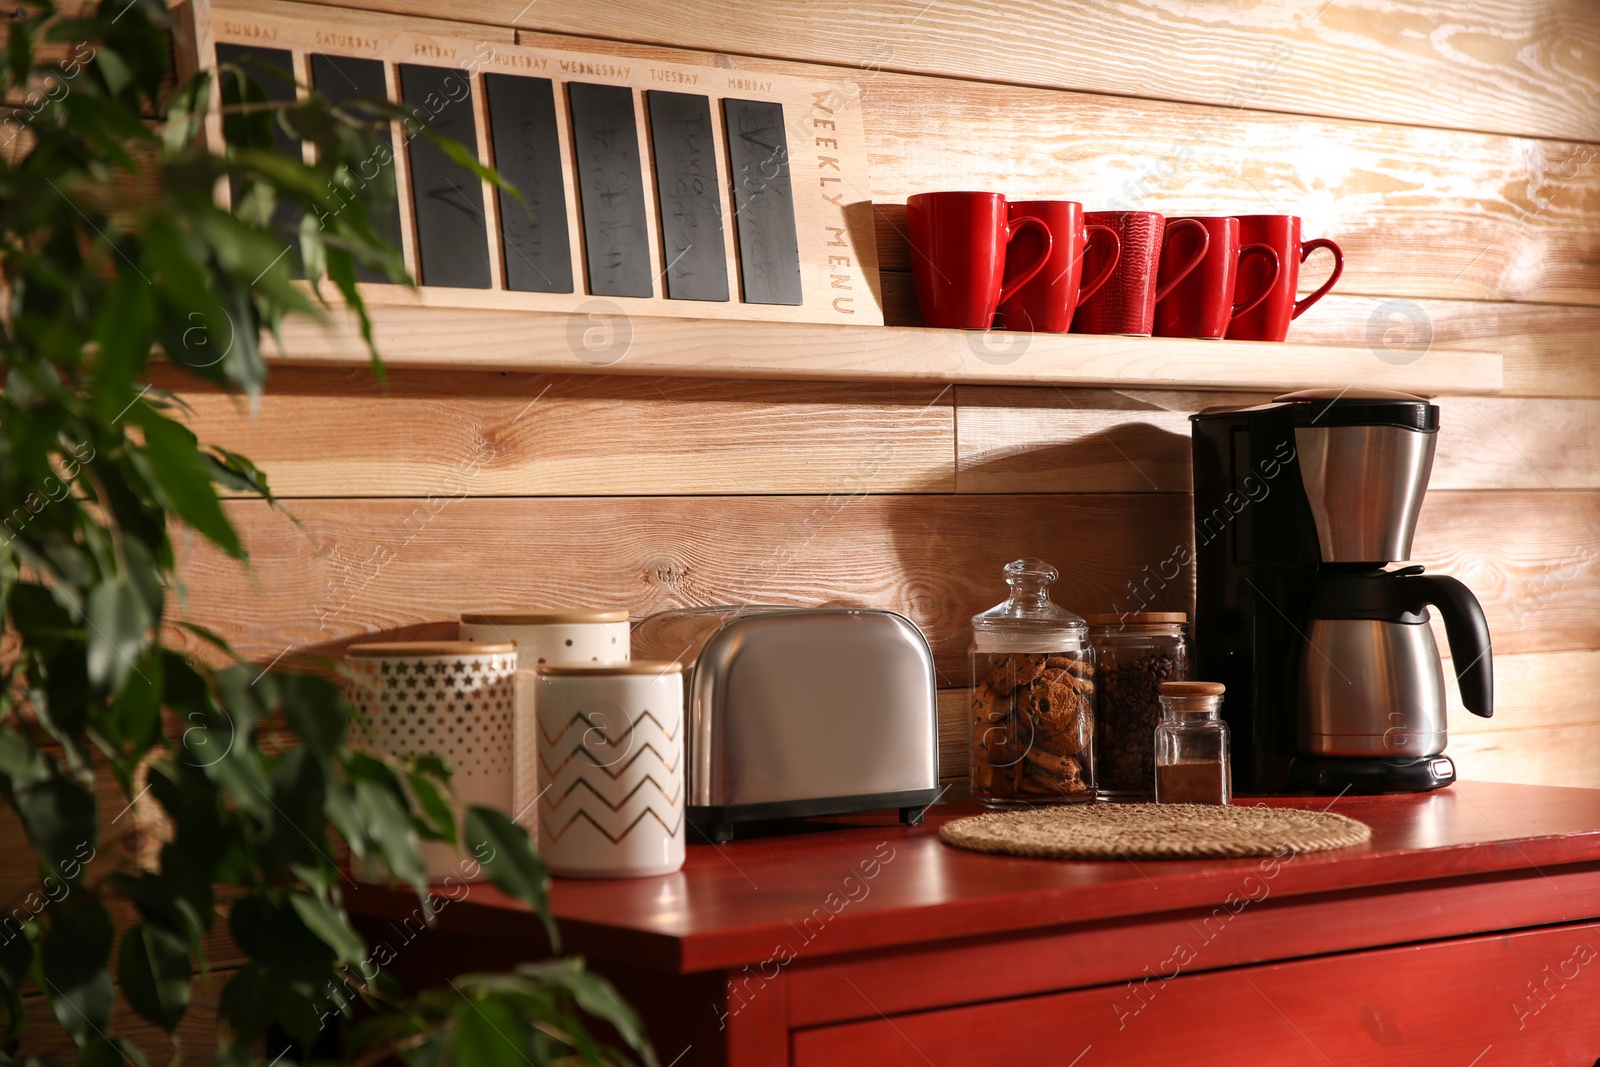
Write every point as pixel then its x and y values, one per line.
pixel 687 195
pixel 616 239
pixel 262 66
pixel 342 79
pixel 763 202
pixel 452 234
pixel 522 129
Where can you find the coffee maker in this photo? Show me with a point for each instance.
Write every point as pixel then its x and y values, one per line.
pixel 1334 678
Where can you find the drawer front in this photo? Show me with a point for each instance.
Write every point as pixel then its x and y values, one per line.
pixel 1516 999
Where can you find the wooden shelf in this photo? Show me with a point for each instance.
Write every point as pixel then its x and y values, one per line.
pixel 455 338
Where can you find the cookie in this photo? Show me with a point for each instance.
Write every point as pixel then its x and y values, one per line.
pixel 1080 667
pixel 1047 773
pixel 988 706
pixel 1015 671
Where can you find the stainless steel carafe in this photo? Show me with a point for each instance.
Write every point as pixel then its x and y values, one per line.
pixel 1371 683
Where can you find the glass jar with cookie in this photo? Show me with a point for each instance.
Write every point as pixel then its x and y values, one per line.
pixel 1032 697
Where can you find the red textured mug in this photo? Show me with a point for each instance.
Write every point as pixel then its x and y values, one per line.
pixel 1202 304
pixel 1046 304
pixel 1269 321
pixel 958 256
pixel 1127 304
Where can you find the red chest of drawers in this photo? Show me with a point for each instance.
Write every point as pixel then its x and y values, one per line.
pixel 1464 935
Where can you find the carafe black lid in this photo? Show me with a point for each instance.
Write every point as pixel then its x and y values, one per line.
pixel 1352 407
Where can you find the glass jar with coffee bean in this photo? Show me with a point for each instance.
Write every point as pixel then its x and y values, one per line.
pixel 1033 679
pixel 1135 653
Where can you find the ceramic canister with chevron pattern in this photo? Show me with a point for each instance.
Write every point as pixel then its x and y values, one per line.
pixel 449 699
pixel 611 768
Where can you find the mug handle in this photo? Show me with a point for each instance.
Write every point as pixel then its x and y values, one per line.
pixel 1012 229
pixel 1194 260
pixel 1104 276
pixel 1240 307
pixel 1306 249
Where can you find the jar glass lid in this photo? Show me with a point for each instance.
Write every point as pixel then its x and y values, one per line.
pixel 1028 614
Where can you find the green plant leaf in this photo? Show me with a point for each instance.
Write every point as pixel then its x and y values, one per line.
pixel 20 762
pixel 249 1001
pixel 60 819
pixel 73 956
pixel 163 900
pixel 182 479
pixel 464 157
pixel 331 925
pixel 117 628
pixel 316 711
pixel 136 711
pixel 489 1034
pixel 111 1052
pixel 387 826
pixel 124 330
pixel 236 472
pixel 153 969
pixel 16 953
pixel 438 820
pixel 600 999
pixel 507 856
pixel 296 831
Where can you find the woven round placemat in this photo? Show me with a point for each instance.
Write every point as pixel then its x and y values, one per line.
pixel 1153 831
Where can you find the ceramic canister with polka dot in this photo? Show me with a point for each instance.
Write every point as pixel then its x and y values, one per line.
pixel 611 764
pixel 451 699
pixel 553 636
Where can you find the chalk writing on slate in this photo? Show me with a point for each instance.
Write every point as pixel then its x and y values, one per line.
pixel 605 140
pixel 763 202
pixel 522 129
pixel 687 195
pixel 342 79
pixel 452 234
pixel 262 67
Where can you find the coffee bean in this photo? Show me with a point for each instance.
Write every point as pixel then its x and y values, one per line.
pixel 1126 719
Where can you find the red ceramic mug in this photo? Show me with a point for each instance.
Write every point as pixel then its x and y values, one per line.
pixel 1202 304
pixel 1127 304
pixel 1269 320
pixel 1046 304
pixel 958 256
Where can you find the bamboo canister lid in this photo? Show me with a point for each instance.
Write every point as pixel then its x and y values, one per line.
pixel 543 618
pixel 427 648
pixel 1138 618
pixel 1191 689
pixel 602 670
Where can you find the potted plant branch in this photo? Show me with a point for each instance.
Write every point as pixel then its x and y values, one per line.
pixel 115 255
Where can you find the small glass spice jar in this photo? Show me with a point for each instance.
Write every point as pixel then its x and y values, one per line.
pixel 1192 745
pixel 1032 697
pixel 1133 654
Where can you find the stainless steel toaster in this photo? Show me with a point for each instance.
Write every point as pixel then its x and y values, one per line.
pixel 795 712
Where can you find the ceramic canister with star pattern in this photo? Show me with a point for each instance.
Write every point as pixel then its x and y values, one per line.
pixel 451 699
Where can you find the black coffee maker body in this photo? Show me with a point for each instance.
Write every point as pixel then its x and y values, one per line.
pixel 1335 681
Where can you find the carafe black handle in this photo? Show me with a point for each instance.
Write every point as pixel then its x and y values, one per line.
pixel 1464 627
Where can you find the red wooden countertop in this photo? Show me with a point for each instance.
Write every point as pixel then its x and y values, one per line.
pixel 875 884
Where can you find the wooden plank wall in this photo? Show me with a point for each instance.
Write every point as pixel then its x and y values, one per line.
pixel 1453 154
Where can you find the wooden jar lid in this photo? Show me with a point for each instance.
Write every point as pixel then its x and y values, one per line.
pixel 427 648
pixel 601 670
pixel 543 618
pixel 1139 618
pixel 1191 689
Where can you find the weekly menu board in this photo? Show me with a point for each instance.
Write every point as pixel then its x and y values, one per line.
pixel 665 188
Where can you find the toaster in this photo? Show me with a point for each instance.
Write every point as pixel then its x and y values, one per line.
pixel 795 712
